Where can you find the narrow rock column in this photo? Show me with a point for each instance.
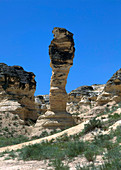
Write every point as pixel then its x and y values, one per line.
pixel 61 51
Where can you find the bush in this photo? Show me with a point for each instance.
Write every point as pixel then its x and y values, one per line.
pixel 59 165
pixel 115 116
pixel 12 140
pixel 75 148
pixel 39 152
pixel 111 165
pixel 91 153
pixel 93 123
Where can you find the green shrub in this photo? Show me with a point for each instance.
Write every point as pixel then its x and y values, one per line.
pixel 59 165
pixel 93 123
pixel 118 134
pixel 63 138
pixel 50 150
pixel 115 116
pixel 40 152
pixel 90 153
pixel 12 140
pixel 12 155
pixel 75 148
pixel 110 165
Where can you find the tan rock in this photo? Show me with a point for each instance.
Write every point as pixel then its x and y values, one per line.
pixel 112 90
pixel 61 51
pixel 17 89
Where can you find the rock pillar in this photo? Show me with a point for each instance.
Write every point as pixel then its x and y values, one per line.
pixel 61 51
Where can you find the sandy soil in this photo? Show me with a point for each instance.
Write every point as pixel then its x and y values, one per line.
pixel 43 165
pixel 21 165
pixel 71 131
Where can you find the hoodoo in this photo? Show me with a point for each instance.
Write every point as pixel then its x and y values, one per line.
pixel 61 51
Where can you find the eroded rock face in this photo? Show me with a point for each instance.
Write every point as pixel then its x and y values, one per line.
pixel 114 83
pixel 112 90
pixel 61 51
pixel 17 89
pixel 42 102
pixel 85 94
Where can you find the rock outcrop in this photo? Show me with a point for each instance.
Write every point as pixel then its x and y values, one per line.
pixel 85 94
pixel 17 89
pixel 61 51
pixel 42 102
pixel 83 98
pixel 112 90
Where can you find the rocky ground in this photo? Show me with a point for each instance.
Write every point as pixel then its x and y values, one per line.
pixel 40 165
pixel 84 103
pixel 44 164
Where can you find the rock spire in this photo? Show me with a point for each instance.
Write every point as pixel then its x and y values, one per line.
pixel 61 51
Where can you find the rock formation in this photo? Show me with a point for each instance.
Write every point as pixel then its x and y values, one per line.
pixel 61 51
pixel 42 102
pixel 17 89
pixel 82 99
pixel 85 94
pixel 112 90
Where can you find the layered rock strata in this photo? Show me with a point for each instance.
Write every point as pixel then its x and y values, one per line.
pixel 42 103
pixel 61 51
pixel 17 89
pixel 112 90
pixel 85 94
pixel 83 98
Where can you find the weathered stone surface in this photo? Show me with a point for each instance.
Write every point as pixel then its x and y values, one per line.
pixel 112 90
pixel 114 83
pixel 17 89
pixel 42 102
pixel 61 51
pixel 85 94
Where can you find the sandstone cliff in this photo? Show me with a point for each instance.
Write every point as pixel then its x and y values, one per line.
pixel 17 104
pixel 17 85
pixel 85 101
pixel 112 90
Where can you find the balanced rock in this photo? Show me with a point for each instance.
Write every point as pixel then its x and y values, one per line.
pixel 61 51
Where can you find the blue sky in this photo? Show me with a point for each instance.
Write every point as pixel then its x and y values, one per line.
pixel 26 32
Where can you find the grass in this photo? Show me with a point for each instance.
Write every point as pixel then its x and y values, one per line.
pixel 66 148
pixel 8 141
pixel 91 153
pixel 69 147
pixel 59 165
pixel 12 140
pixel 93 123
pixel 50 150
